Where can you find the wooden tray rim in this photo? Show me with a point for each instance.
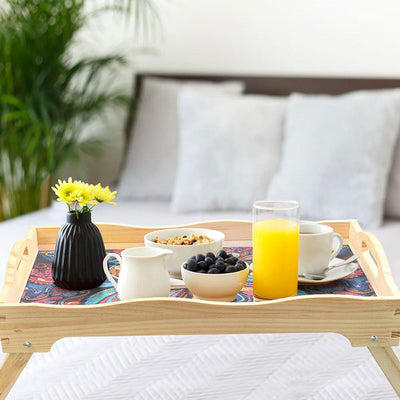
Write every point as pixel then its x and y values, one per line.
pixel 237 232
pixel 373 259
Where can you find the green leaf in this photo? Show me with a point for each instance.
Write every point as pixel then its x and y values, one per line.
pixel 42 106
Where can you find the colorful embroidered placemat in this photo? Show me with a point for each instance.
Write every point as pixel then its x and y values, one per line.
pixel 41 289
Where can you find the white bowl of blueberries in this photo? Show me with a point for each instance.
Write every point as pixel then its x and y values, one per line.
pixel 176 239
pixel 215 277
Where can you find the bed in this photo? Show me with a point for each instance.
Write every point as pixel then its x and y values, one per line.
pixel 247 367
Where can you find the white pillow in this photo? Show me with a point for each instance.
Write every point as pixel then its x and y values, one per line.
pixel 392 207
pixel 337 153
pixel 150 166
pixel 229 149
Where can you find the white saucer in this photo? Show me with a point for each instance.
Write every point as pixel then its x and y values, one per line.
pixel 333 274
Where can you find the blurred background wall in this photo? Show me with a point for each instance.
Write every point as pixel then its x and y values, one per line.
pixel 285 37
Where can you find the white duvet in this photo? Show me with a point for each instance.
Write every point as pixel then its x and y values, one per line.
pixel 290 366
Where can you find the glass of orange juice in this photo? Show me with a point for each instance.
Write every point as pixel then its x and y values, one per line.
pixel 275 248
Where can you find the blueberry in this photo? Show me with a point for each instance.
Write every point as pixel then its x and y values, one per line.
pixel 192 265
pixel 220 265
pixel 242 263
pixel 202 265
pixel 200 257
pixel 234 258
pixel 202 271
pixel 222 253
pixel 191 261
pixel 213 271
pixel 185 266
pixel 211 255
pixel 192 258
pixel 230 260
pixel 230 268
pixel 209 260
pixel 239 266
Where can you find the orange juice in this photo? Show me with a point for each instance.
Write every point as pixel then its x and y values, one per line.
pixel 275 258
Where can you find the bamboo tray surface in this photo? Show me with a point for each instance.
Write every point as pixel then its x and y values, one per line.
pixel 372 260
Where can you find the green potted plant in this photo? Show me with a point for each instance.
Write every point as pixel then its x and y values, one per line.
pixel 42 108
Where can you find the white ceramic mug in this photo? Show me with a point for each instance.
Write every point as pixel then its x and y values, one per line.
pixel 142 274
pixel 316 242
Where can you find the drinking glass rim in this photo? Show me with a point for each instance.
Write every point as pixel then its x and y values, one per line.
pixel 276 204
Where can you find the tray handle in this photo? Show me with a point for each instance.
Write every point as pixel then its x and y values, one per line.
pixel 374 261
pixel 19 249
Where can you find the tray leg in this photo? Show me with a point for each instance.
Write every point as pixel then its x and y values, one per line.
pixel 389 364
pixel 10 370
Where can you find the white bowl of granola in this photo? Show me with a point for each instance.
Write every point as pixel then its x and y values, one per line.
pixel 185 243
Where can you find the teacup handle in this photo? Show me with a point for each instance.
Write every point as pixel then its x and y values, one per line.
pixel 339 246
pixel 107 271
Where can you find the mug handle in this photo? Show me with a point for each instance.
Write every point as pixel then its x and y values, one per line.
pixel 107 271
pixel 339 246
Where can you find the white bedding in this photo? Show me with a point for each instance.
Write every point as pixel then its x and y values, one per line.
pixel 295 366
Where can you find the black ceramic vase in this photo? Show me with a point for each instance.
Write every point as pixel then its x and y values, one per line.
pixel 79 254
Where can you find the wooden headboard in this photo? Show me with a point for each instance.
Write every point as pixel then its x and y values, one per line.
pixel 282 86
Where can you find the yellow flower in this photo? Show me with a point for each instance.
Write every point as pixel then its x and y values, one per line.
pixel 103 195
pixel 84 194
pixel 65 191
pixel 78 193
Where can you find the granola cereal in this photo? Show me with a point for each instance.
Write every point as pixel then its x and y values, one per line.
pixel 184 240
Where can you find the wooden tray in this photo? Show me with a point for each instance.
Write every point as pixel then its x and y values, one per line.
pixel 28 327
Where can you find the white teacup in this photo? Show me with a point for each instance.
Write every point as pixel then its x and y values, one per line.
pixel 316 242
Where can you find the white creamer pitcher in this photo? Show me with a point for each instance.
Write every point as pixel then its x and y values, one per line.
pixel 142 274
